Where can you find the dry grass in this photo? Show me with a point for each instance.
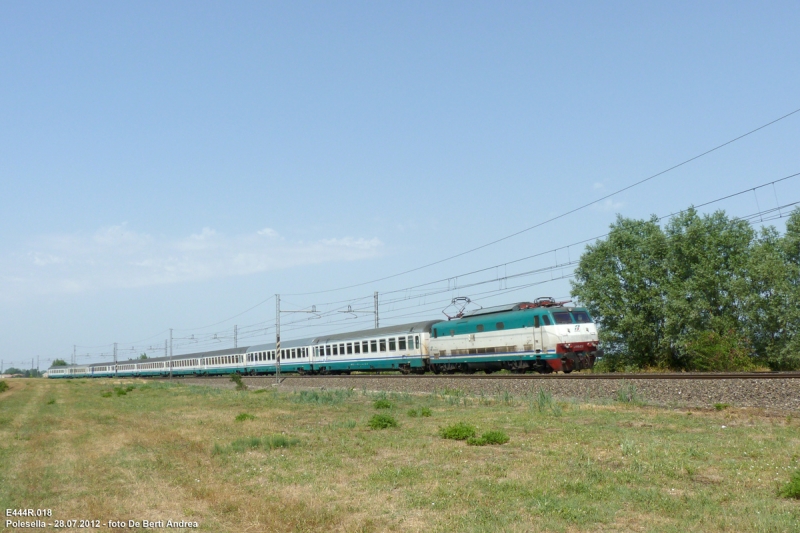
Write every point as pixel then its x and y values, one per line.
pixel 166 451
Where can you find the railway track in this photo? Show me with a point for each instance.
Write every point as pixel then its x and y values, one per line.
pixel 545 377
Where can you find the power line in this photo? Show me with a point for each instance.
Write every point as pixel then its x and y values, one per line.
pixel 562 215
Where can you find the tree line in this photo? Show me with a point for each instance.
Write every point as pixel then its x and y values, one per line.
pixel 700 293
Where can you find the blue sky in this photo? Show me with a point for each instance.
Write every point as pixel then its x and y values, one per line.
pixel 174 164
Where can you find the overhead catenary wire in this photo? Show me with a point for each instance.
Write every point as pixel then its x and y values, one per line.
pixel 302 323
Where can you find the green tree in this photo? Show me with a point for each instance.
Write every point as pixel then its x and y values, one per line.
pixel 59 362
pixel 705 293
pixel 707 286
pixel 143 356
pixel 622 282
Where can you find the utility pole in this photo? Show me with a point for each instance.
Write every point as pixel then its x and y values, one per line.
pixel 277 339
pixel 165 348
pixel 235 336
pixel 37 365
pixel 170 353
pixel 115 359
pixel 376 310
pixel 74 358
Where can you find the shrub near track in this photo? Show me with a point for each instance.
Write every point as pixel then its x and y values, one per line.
pixel 628 467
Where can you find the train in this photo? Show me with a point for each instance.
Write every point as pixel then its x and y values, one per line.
pixel 542 336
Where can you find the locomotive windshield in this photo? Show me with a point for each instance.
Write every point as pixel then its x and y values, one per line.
pixel 562 317
pixel 581 317
pixel 574 317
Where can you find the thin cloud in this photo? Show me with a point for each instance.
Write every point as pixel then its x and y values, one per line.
pixel 119 257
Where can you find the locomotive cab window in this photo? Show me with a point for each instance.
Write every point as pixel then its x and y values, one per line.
pixel 536 321
pixel 416 342
pixel 435 333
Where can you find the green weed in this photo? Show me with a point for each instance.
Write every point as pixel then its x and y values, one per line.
pixel 242 417
pixel 458 431
pixel 791 489
pixel 425 412
pixel 236 378
pixel 332 397
pixel 106 394
pixel 51 401
pixel 721 406
pixel 628 393
pixel 382 404
pixel 255 443
pixel 382 422
pixel 490 437
pixel 412 413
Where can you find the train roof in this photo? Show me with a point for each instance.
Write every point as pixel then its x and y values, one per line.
pixel 414 327
pixel 227 351
pixel 521 306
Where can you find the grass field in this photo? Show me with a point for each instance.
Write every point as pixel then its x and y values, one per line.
pixel 309 461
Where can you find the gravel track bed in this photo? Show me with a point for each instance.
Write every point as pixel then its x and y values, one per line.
pixel 771 394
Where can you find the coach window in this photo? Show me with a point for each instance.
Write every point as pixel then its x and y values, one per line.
pixel 383 344
pixel 416 342
pixel 401 343
pixel 328 349
pixel 500 326
pixel 341 349
pixel 479 327
pixel 349 348
pixel 373 346
pixel 410 342
pixel 356 347
pixel 335 349
pixel 364 346
pixel 392 345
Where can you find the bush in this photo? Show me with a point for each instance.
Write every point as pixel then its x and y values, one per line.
pixel 459 431
pixel 382 404
pixel 791 489
pixel 425 412
pixel 106 394
pixel 413 413
pixel 120 391
pixel 242 417
pixel 3 386
pixel 236 378
pixel 382 422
